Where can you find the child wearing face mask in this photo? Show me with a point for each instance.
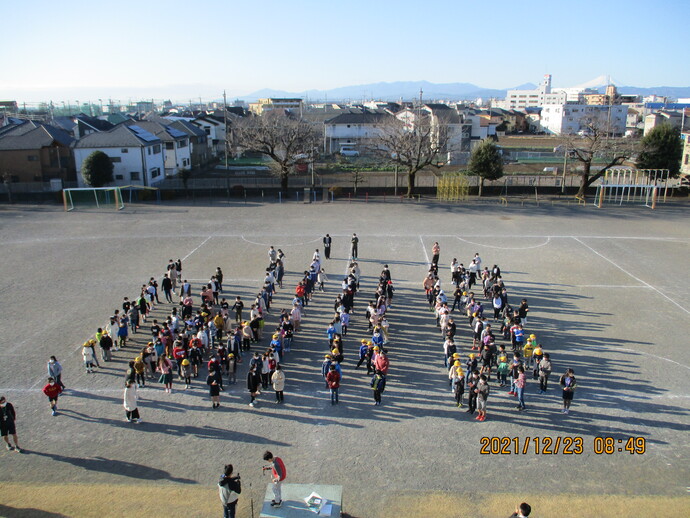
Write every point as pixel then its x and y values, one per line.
pixel 52 390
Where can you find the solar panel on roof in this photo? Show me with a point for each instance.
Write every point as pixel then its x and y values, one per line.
pixel 175 133
pixel 143 134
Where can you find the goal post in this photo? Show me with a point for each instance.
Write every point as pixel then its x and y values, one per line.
pixel 85 197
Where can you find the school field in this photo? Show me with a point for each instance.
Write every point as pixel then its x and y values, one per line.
pixel 609 297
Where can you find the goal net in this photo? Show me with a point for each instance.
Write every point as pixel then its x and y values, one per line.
pixel 85 197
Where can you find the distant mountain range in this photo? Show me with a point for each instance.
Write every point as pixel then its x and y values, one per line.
pixel 408 90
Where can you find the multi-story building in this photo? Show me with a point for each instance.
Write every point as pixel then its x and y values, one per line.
pixel 275 103
pixel 520 99
pixel 565 119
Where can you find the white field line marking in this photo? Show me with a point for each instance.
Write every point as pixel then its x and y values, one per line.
pixel 197 248
pixel 283 237
pixel 426 254
pixel 40 240
pixel 633 276
pixel 548 240
pixel 651 355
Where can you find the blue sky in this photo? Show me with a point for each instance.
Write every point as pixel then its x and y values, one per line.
pixel 185 49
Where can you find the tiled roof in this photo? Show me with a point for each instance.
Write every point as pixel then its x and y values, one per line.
pixel 359 118
pixel 33 135
pixel 120 136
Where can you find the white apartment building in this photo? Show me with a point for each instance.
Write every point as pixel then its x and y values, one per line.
pixel 568 118
pixel 520 99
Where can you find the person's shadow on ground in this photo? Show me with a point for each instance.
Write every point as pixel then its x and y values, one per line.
pixel 116 467
pixel 27 512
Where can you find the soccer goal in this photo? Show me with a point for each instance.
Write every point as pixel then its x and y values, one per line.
pixel 85 197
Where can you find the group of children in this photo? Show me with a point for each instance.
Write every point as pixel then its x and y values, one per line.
pixel 473 375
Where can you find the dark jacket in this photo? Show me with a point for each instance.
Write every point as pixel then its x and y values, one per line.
pixel 7 414
pixel 253 381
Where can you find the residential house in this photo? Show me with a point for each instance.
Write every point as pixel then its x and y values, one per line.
pixel 672 118
pixel 458 130
pixel 685 160
pixel 215 131
pixel 354 130
pixel 199 149
pixel 136 154
pixel 176 149
pixel 32 151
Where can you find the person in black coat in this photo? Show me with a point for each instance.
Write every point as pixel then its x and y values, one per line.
pixel 7 427
pixel 327 246
pixel 213 388
pixel 253 384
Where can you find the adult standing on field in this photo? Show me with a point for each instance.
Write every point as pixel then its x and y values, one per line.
pixel 436 252
pixel 327 241
pixel 229 489
pixel 8 416
pixel 354 247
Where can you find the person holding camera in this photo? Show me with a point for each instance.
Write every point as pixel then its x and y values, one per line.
pixel 278 473
pixel 229 489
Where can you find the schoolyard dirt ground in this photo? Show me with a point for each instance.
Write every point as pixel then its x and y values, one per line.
pixel 609 298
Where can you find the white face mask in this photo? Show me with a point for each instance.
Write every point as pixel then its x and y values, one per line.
pixel 52 361
pixel 2 405
pixel 52 383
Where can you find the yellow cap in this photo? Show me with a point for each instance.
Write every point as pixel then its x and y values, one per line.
pixel 327 356
pixel 472 355
pixel 137 359
pixel 364 340
pixel 464 293
pixel 369 342
pixel 185 362
pixel 376 348
pixel 276 336
pixel 533 337
pixel 334 351
pixel 456 363
pixel 460 371
pixel 456 355
pixel 502 358
pixel 231 355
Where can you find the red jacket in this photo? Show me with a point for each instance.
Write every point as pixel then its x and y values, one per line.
pixel 382 363
pixel 52 391
pixel 333 379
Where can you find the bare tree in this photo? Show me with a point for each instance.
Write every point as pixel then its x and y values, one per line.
pixel 595 143
pixel 281 136
pixel 413 145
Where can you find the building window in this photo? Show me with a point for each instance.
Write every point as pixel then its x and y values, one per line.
pixel 169 145
pixel 32 158
pixel 156 149
pixel 119 177
pixel 134 176
pixel 687 157
pixel 124 150
pixel 182 143
pixel 155 172
pixel 207 130
pixel 115 159
pixel 149 151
